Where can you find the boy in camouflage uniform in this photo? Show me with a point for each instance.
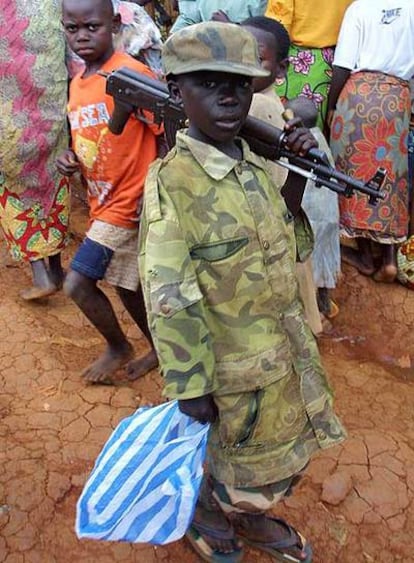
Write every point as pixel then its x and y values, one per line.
pixel 217 260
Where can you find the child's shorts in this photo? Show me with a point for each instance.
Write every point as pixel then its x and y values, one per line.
pixel 111 253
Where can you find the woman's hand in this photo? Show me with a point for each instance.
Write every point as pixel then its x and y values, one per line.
pixel 67 163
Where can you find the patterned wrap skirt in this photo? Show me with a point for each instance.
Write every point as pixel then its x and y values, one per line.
pixel 30 233
pixel 34 199
pixel 369 130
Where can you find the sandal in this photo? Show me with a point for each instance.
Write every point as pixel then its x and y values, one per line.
pixel 195 537
pixel 277 549
pixel 333 309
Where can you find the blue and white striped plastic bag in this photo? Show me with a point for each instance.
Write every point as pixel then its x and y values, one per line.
pixel 146 480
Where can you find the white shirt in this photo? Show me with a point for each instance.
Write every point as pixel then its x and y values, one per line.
pixel 378 35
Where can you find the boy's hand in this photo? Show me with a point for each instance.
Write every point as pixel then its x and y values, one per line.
pixel 202 408
pixel 299 139
pixel 162 146
pixel 67 163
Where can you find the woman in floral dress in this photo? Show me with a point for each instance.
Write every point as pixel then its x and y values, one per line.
pixel 313 28
pixel 34 198
pixel 370 105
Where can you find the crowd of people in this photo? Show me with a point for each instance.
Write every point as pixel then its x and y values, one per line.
pixel 225 261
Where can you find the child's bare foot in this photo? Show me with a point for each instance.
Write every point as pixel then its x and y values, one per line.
pixel 108 363
pixel 141 366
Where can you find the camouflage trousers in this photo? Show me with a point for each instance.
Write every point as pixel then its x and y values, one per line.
pixel 248 500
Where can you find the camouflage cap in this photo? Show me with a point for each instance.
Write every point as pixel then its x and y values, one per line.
pixel 215 46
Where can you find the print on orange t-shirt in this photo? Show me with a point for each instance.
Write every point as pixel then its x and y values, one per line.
pixel 114 166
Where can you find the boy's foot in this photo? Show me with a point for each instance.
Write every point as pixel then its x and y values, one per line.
pixel 38 292
pixel 139 367
pixel 272 535
pixel 108 363
pixel 353 258
pixel 212 536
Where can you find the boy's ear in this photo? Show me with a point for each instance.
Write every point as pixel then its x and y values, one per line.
pixel 282 68
pixel 174 89
pixel 116 23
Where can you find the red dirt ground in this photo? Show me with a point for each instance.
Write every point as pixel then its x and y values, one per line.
pixel 356 502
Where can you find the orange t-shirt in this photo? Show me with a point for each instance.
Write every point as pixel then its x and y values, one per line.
pixel 114 166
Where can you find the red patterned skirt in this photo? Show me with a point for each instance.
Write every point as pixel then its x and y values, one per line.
pixel 370 130
pixel 32 234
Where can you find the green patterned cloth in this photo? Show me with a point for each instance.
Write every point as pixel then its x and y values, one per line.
pixel 309 75
pixel 217 261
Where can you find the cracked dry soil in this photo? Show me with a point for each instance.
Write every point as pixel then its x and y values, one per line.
pixel 356 502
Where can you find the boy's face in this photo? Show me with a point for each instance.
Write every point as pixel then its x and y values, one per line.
pixel 216 103
pixel 88 26
pixel 269 59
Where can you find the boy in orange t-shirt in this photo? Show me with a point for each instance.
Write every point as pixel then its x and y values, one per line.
pixel 114 168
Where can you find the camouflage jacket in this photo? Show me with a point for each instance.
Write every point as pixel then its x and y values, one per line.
pixel 217 262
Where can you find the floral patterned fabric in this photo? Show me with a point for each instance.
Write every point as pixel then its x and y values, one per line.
pixel 369 130
pixel 33 96
pixel 411 159
pixel 309 75
pixel 29 233
pixel 405 261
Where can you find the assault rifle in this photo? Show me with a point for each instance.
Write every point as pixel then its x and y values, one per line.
pixel 150 100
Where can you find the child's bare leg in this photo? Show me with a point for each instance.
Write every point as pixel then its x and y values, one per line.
pixel 42 283
pixel 97 308
pixel 56 271
pixel 133 302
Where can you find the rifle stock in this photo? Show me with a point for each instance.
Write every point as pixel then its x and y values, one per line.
pixel 135 92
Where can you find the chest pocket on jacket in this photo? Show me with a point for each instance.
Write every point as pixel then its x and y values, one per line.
pixel 220 250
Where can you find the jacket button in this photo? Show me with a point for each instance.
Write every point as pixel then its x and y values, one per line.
pixel 321 435
pixel 266 244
